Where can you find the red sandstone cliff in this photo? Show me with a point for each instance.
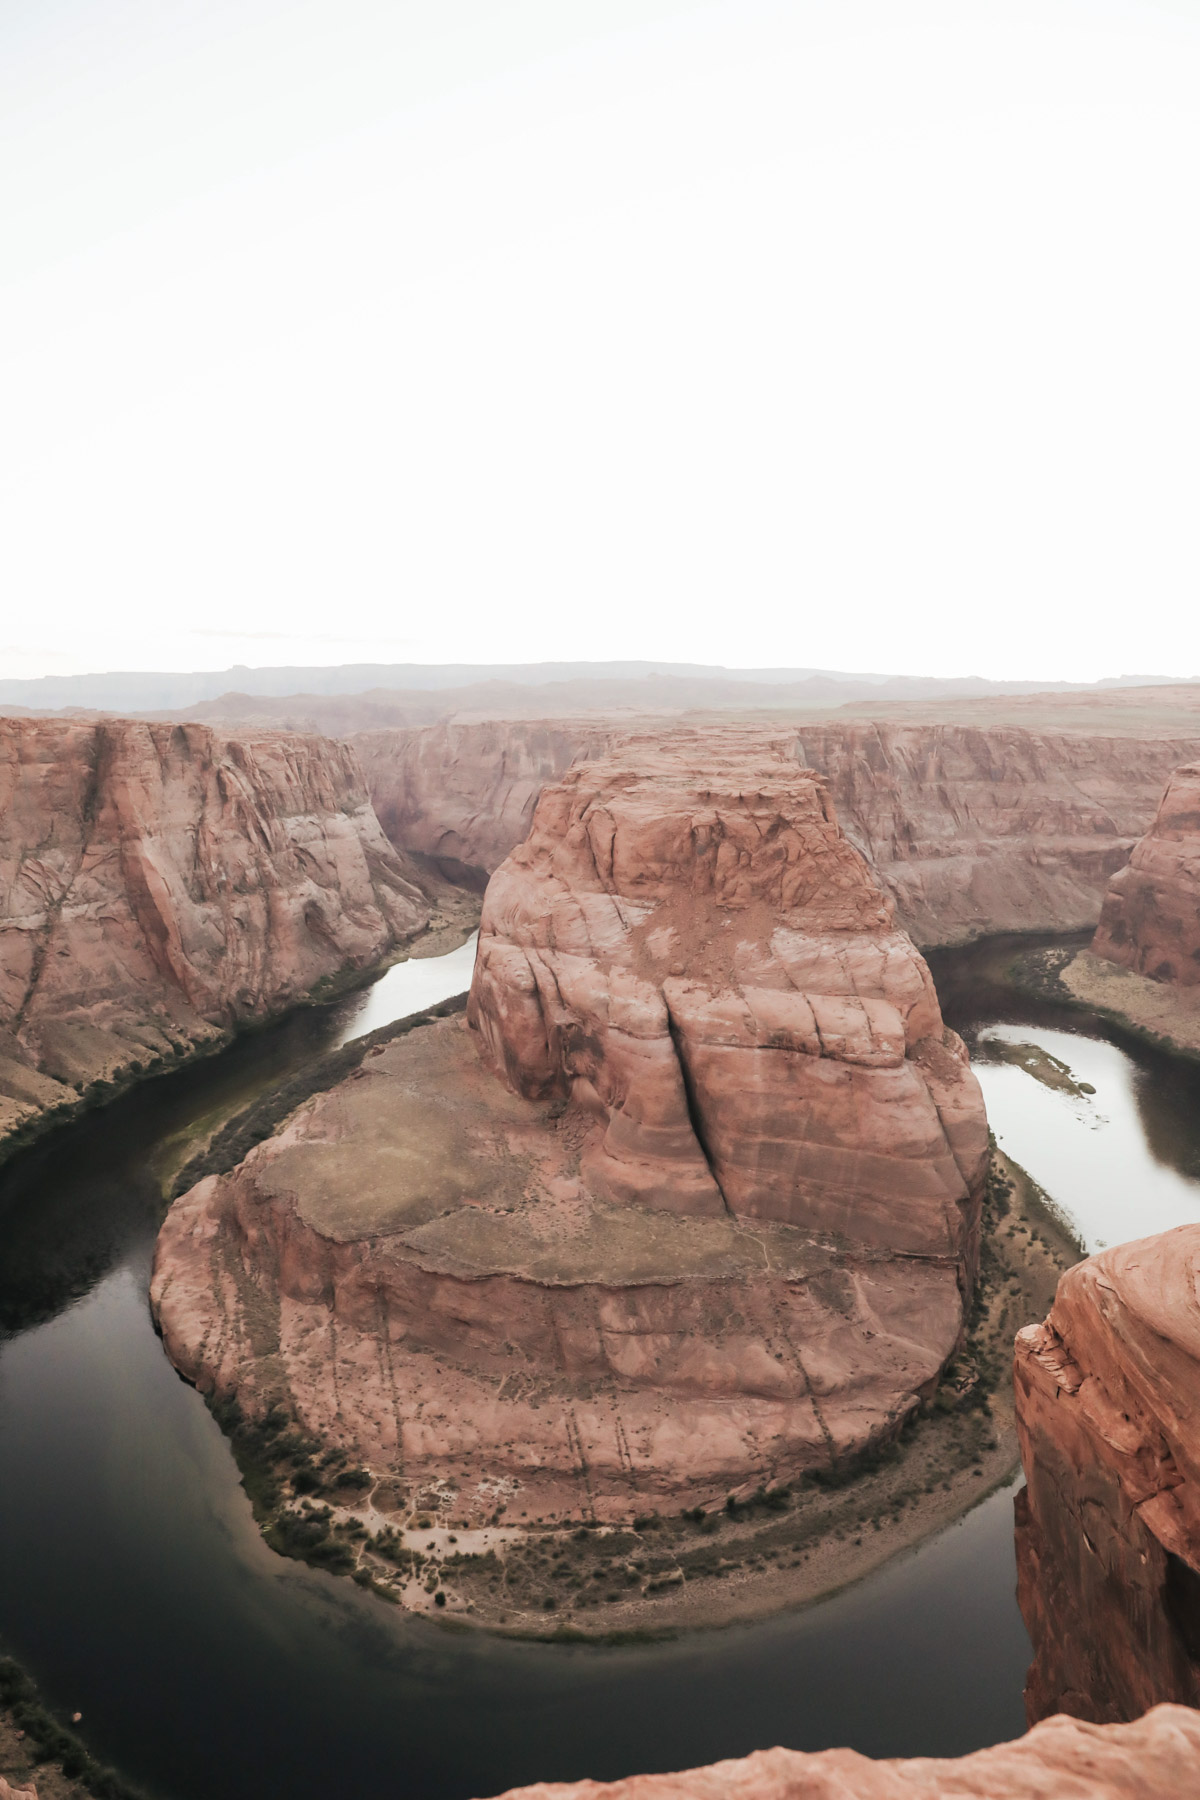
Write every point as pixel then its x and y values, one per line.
pixel 971 830
pixel 1000 829
pixel 464 794
pixel 718 1227
pixel 1108 1412
pixel 1158 1758
pixel 1151 917
pixel 160 883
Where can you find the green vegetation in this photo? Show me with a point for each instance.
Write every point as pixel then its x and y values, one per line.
pixel 50 1741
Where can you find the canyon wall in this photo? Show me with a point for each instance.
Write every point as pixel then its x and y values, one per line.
pixel 990 830
pixel 693 1204
pixel 971 830
pixel 1108 1537
pixel 464 794
pixel 160 884
pixel 1158 1758
pixel 1150 922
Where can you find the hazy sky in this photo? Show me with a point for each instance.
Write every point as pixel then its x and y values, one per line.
pixel 847 333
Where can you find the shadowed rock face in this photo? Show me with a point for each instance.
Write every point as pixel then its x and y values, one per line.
pixel 713 1224
pixel 1063 1759
pixel 464 794
pixel 1151 917
pixel 1108 1527
pixel 159 884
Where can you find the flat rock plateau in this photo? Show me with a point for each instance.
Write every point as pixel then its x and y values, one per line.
pixel 161 884
pixel 1062 1759
pixel 689 1208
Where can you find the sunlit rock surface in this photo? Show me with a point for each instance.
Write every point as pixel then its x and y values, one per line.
pixel 1158 1758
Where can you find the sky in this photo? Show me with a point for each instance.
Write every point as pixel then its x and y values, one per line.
pixel 834 333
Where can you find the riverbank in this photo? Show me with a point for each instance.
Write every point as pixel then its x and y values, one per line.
pixel 766 1550
pixel 1155 1012
pixel 454 917
pixel 38 1751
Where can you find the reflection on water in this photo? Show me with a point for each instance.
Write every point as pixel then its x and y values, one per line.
pixel 1092 1154
pixel 136 1586
pixel 409 987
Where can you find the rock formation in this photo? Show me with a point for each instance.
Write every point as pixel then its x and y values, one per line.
pixel 1062 1759
pixel 971 831
pixel 1151 917
pixel 1108 1539
pixel 1003 829
pixel 464 794
pixel 160 884
pixel 714 1225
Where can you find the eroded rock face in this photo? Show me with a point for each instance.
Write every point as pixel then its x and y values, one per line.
pixel 1108 1538
pixel 687 946
pixel 971 831
pixel 998 829
pixel 702 1214
pixel 1158 1758
pixel 160 883
pixel 1151 917
pixel 464 794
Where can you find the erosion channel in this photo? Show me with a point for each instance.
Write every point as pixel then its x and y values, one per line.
pixel 136 1588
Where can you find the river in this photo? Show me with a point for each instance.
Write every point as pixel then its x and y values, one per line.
pixel 135 1587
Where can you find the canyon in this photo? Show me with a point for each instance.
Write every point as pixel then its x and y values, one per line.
pixel 973 830
pixel 687 1207
pixel 1062 1759
pixel 162 884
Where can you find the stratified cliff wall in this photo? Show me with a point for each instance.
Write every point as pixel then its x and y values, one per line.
pixel 1156 1759
pixel 464 794
pixel 1151 917
pixel 1108 1539
pixel 971 831
pixel 999 829
pixel 161 883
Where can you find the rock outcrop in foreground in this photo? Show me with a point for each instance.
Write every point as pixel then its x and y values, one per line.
pixel 693 1204
pixel 1151 917
pixel 160 884
pixel 1062 1759
pixel 1108 1537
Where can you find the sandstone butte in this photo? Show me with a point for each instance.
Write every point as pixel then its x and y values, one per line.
pixel 1108 1525
pixel 160 884
pixel 693 1202
pixel 971 830
pixel 1062 1759
pixel 1150 922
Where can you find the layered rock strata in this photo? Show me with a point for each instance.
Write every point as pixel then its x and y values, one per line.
pixel 1108 1537
pixel 1151 917
pixel 693 1203
pixel 992 830
pixel 972 831
pixel 1158 1758
pixel 464 794
pixel 160 884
